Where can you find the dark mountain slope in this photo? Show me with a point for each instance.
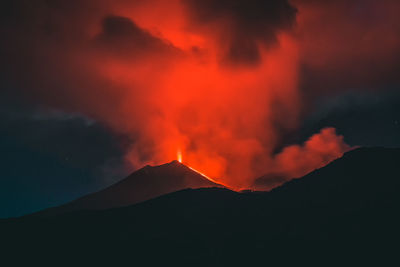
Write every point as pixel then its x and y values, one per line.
pixel 345 214
pixel 361 178
pixel 144 184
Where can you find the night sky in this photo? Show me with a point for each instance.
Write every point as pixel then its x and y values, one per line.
pixel 92 90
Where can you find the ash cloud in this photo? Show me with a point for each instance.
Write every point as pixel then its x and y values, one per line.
pixel 120 36
pixel 249 24
pixel 168 84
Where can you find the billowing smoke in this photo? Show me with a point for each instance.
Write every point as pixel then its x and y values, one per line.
pixel 242 28
pixel 222 81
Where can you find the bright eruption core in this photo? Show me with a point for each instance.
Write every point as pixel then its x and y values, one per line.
pixel 179 156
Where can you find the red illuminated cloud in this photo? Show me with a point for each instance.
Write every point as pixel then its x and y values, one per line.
pixel 221 81
pixel 297 160
pixel 348 44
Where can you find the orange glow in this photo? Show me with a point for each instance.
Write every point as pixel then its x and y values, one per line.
pixel 216 89
pixel 179 158
pixel 222 116
pixel 202 174
pixel 179 155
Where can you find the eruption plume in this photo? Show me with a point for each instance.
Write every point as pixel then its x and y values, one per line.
pixel 218 85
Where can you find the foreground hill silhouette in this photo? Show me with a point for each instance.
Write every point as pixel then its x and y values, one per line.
pixel 345 214
pixel 144 184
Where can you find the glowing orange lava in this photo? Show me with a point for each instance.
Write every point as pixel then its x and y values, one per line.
pixel 179 158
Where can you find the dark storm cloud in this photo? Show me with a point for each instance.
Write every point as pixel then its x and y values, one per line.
pixel 260 19
pixel 251 22
pixel 71 137
pixel 122 37
pixel 365 119
pixel 40 36
pixel 49 157
pixel 347 45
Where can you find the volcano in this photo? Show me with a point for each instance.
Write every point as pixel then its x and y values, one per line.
pixel 146 183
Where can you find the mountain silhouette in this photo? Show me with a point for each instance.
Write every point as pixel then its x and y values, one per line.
pixel 345 214
pixel 144 184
